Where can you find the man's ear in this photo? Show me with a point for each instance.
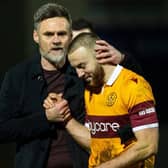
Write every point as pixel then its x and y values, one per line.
pixel 35 36
pixel 70 38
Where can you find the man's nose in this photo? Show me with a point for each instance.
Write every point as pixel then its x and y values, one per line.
pixel 56 39
pixel 80 73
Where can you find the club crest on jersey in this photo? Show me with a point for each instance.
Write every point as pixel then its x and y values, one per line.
pixel 111 98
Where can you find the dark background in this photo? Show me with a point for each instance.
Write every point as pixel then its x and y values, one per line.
pixel 138 27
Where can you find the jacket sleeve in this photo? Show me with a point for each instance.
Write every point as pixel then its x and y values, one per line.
pixel 15 126
pixel 74 93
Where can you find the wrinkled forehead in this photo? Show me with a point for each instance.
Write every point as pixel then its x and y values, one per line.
pixel 54 23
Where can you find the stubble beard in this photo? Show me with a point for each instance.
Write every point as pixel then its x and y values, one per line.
pixel 97 82
pixel 57 60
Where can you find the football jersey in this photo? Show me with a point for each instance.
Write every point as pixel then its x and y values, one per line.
pixel 125 100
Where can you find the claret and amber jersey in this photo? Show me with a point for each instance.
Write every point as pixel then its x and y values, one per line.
pixel 126 99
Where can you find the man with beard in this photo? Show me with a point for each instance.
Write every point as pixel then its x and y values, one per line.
pixel 82 25
pixel 121 125
pixel 41 140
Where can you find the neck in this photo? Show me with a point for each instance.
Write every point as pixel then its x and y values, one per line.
pixel 108 70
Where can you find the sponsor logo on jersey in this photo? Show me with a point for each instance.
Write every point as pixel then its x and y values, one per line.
pixel 105 126
pixel 95 127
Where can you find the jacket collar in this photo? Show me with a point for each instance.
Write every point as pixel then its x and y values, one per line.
pixel 36 68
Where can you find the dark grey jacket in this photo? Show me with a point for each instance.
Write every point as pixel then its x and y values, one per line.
pixel 22 116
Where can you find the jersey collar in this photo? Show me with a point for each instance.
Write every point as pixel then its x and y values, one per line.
pixel 114 75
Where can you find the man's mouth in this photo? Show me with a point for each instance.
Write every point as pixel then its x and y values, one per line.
pixel 88 78
pixel 56 49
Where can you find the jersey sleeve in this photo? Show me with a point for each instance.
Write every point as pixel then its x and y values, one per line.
pixel 141 104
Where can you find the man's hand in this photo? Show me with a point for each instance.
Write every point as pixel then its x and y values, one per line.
pixel 57 108
pixel 107 54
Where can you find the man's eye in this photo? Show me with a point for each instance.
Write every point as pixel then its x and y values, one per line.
pixel 48 34
pixel 81 66
pixel 62 33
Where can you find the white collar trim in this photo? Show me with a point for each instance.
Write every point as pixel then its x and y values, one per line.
pixel 114 75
